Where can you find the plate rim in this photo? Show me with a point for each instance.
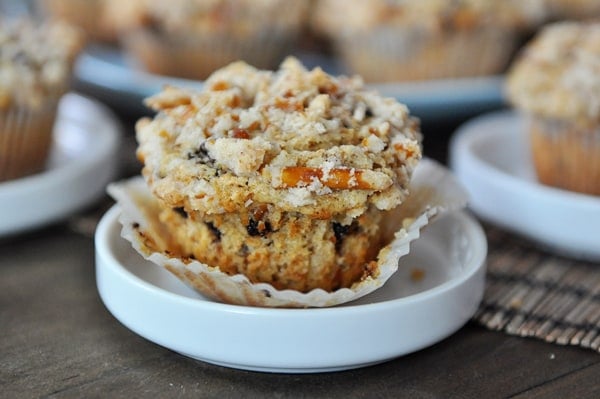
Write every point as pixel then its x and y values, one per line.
pixel 469 165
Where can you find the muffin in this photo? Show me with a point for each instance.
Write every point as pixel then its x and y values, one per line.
pixel 282 177
pixel 192 38
pixel 573 9
pixel 556 84
pixel 35 67
pixel 387 40
pixel 101 20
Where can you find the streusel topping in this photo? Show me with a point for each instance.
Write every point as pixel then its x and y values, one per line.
pixel 234 17
pixel 341 16
pixel 558 73
pixel 293 140
pixel 35 60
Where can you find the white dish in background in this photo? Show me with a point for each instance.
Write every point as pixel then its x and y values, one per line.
pixel 490 157
pixel 107 73
pixel 407 314
pixel 82 161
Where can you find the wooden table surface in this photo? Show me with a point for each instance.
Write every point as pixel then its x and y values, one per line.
pixel 59 341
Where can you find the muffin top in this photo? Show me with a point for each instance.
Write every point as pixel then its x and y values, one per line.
pixel 558 73
pixel 101 20
pixel 335 17
pixel 35 61
pixel 291 140
pixel 229 16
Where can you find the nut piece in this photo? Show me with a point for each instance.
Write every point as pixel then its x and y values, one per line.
pixel 335 178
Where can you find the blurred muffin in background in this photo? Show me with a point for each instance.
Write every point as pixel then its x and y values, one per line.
pixel 396 40
pixel 192 38
pixel 573 9
pixel 35 68
pixel 101 20
pixel 556 83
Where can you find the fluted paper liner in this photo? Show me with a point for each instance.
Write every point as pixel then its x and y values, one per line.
pixel 433 191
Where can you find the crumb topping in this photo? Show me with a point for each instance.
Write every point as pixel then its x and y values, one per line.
pixel 295 139
pixel 35 61
pixel 558 73
pixel 337 17
pixel 230 16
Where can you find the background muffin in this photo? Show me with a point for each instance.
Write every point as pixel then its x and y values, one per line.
pixel 556 83
pixel 573 9
pixel 279 176
pixel 398 40
pixel 192 38
pixel 35 68
pixel 101 20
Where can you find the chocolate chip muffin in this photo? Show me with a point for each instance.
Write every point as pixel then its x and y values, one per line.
pixel 280 176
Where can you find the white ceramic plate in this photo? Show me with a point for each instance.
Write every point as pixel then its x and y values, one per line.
pixel 82 161
pixel 106 72
pixel 403 316
pixel 490 156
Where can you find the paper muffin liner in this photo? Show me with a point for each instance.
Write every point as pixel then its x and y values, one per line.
pixel 566 155
pixel 196 56
pixel 411 53
pixel 433 192
pixel 25 139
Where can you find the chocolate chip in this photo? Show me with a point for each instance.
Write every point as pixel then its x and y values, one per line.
pixel 340 231
pixel 214 230
pixel 181 212
pixel 259 228
pixel 200 155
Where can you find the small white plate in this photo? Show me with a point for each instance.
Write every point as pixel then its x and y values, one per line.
pixel 106 71
pixel 407 314
pixel 490 156
pixel 82 161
